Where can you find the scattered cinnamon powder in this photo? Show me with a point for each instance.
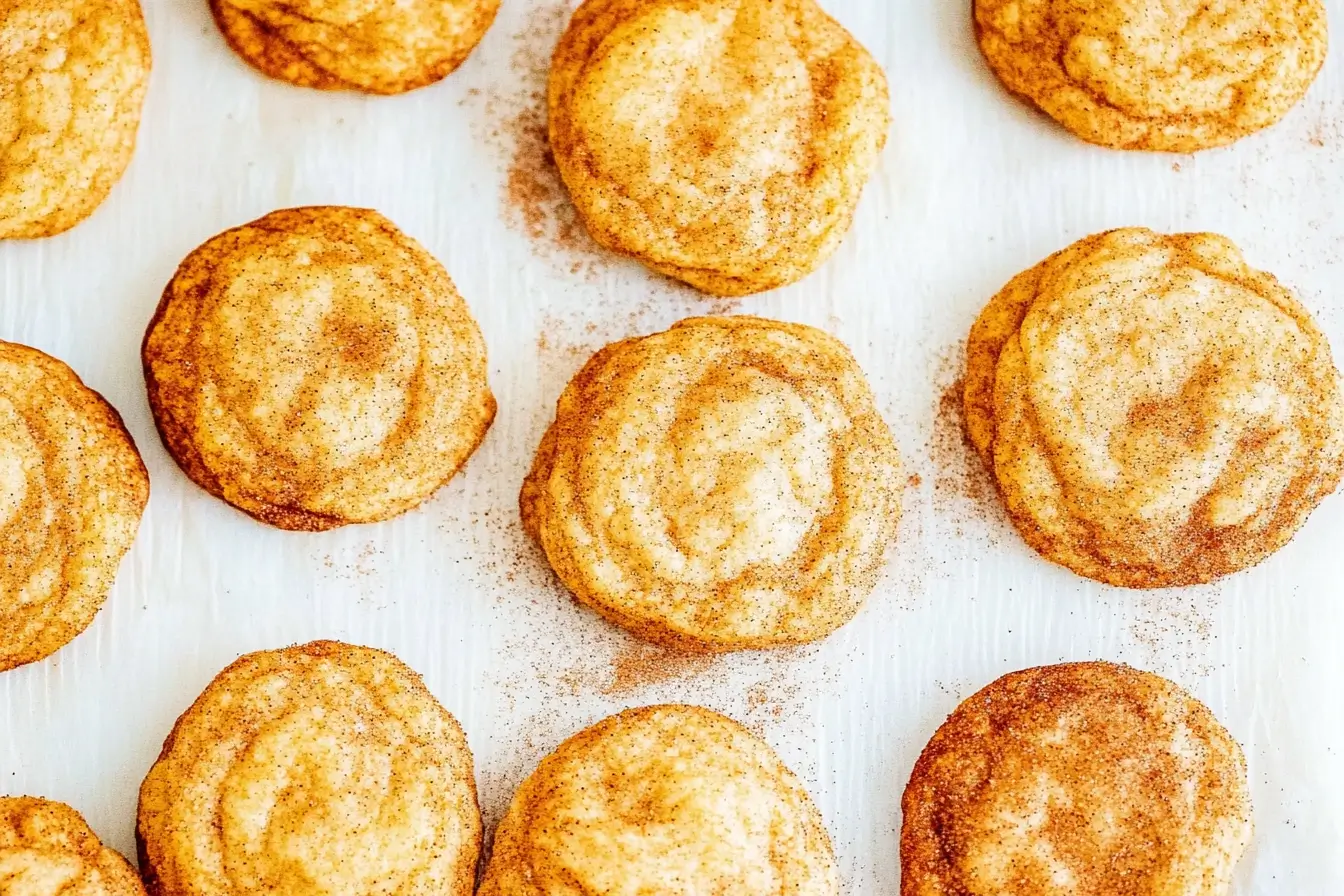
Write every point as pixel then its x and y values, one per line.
pixel 1327 126
pixel 535 201
pixel 1175 628
pixel 643 665
pixel 963 489
pixel 572 344
pixel 361 566
pixel 768 701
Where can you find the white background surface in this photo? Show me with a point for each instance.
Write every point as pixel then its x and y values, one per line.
pixel 972 188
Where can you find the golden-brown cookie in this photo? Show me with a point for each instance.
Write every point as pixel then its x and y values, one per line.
pixel 315 368
pixel 72 489
pixel 1083 779
pixel 319 770
pixel 1156 412
pixel 720 142
pixel 1176 76
pixel 657 801
pixel 727 484
pixel 47 848
pixel 377 46
pixel 73 75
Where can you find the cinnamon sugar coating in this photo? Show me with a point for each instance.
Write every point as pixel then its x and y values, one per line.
pixel 1155 411
pixel 721 142
pixel 1082 779
pixel 318 770
pixel 47 849
pixel 374 46
pixel 662 801
pixel 73 75
pixel 727 484
pixel 1175 76
pixel 317 368
pixel 72 489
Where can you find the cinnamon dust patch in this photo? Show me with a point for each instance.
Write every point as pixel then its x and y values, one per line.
pixel 1328 127
pixel 769 701
pixel 643 665
pixel 963 490
pixel 1175 627
pixel 534 198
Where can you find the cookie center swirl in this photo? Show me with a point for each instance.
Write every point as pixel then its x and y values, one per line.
pixel 1174 397
pixel 748 474
pixel 647 838
pixel 331 352
pixel 34 533
pixel 694 108
pixel 1157 59
pixel 1062 810
pixel 665 806
pixel 324 801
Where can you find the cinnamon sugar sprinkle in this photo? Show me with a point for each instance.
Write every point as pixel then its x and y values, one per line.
pixel 535 201
pixel 963 490
pixel 643 665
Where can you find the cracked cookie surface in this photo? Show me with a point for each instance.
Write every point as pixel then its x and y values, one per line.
pixel 1155 411
pixel 72 490
pixel 662 801
pixel 318 770
pixel 374 46
pixel 721 142
pixel 317 368
pixel 727 484
pixel 1174 76
pixel 47 849
pixel 73 75
pixel 1082 779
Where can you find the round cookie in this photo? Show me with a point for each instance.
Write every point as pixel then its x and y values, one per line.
pixel 1085 779
pixel 1178 76
pixel 662 800
pixel 73 75
pixel 319 770
pixel 72 489
pixel 721 142
pixel 727 484
pixel 375 46
pixel 46 847
pixel 316 368
pixel 1156 412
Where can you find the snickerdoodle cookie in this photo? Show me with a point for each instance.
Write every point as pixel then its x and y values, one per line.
pixel 660 801
pixel 1155 411
pixel 376 46
pixel 1176 76
pixel 1083 779
pixel 315 368
pixel 47 848
pixel 72 489
pixel 320 770
pixel 73 75
pixel 720 142
pixel 727 484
